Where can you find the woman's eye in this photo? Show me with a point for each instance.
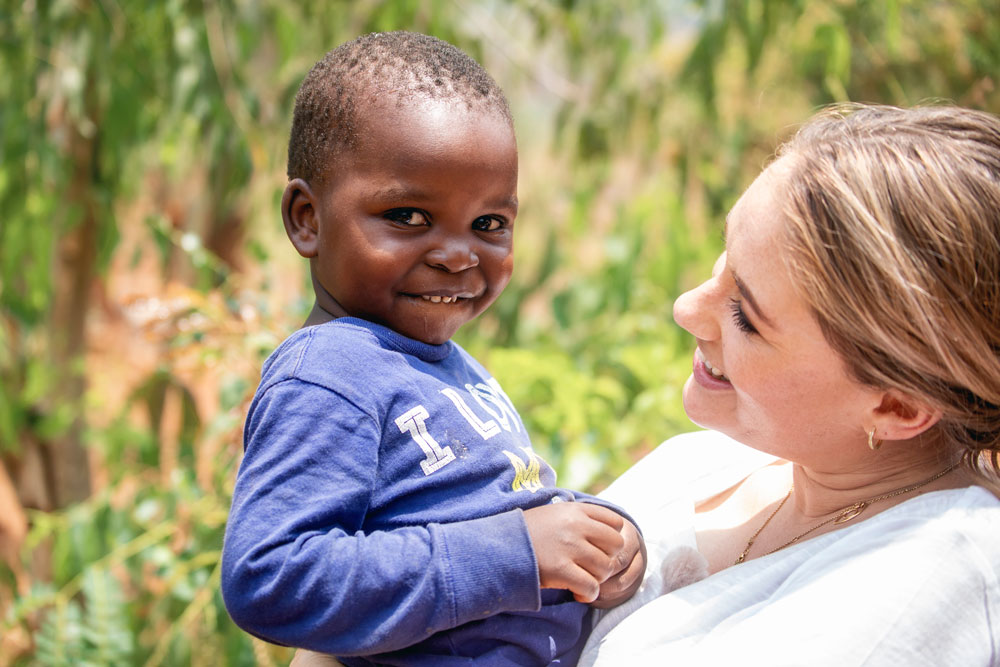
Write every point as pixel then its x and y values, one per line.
pixel 487 223
pixel 408 216
pixel 740 318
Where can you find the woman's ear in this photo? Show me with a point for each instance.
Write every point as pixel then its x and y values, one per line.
pixel 902 417
pixel 301 218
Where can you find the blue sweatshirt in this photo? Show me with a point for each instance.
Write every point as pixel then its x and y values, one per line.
pixel 377 514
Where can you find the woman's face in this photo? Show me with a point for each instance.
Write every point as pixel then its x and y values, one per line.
pixel 763 372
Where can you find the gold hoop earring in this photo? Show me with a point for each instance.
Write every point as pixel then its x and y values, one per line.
pixel 873 442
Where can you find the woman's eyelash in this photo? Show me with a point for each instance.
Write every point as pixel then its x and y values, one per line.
pixel 740 318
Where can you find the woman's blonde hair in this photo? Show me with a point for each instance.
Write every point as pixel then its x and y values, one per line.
pixel 895 243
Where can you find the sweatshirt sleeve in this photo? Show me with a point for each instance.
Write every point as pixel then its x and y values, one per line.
pixel 297 568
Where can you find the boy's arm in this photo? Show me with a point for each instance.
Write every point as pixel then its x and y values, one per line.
pixel 297 568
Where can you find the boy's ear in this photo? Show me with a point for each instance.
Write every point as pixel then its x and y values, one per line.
pixel 301 217
pixel 902 417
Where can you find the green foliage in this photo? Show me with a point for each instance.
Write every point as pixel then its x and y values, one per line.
pixel 164 125
pixel 136 577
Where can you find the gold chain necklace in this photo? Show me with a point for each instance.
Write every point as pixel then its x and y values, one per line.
pixel 842 516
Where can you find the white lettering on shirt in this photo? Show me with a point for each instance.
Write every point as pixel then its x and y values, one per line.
pixel 413 420
pixel 486 429
pixel 492 392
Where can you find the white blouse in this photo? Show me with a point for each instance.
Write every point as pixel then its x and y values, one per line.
pixel 914 585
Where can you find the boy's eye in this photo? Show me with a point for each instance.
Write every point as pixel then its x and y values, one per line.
pixel 407 216
pixel 487 223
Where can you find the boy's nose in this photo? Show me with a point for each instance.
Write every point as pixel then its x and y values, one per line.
pixel 452 257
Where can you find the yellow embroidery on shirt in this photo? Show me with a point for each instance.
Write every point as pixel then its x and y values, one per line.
pixel 525 475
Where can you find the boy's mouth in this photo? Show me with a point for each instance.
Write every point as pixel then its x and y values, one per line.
pixel 439 299
pixel 442 296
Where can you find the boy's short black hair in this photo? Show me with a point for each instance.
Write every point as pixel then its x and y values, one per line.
pixel 334 93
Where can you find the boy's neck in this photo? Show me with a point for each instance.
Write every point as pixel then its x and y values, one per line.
pixel 318 315
pixel 418 348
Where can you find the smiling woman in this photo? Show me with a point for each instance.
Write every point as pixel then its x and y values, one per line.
pixel 764 356
pixel 847 364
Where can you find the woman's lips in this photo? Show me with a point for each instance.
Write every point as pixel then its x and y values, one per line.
pixel 708 375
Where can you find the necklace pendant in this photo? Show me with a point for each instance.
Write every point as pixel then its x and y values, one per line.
pixel 851 512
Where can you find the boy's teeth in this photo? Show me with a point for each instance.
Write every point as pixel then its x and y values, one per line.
pixel 439 299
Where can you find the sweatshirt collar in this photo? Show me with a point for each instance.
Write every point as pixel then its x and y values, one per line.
pixel 397 341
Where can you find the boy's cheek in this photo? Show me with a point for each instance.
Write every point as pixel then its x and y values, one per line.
pixel 507 271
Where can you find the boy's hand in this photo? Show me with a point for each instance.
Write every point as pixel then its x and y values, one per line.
pixel 632 566
pixel 578 546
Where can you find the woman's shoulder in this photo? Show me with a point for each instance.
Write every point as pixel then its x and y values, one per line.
pixel 960 518
pixel 684 469
pixel 698 464
pixel 698 452
pixel 941 536
pixel 703 446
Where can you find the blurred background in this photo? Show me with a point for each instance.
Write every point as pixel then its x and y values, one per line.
pixel 145 275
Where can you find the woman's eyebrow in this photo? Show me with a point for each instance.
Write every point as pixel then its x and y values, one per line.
pixel 748 297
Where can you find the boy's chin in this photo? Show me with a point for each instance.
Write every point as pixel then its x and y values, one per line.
pixel 435 324
pixel 436 336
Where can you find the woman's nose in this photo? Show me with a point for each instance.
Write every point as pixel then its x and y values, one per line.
pixel 696 311
pixel 452 256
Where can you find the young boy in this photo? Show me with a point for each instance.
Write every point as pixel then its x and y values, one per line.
pixel 389 508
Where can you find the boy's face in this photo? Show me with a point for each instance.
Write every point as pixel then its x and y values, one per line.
pixel 415 226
